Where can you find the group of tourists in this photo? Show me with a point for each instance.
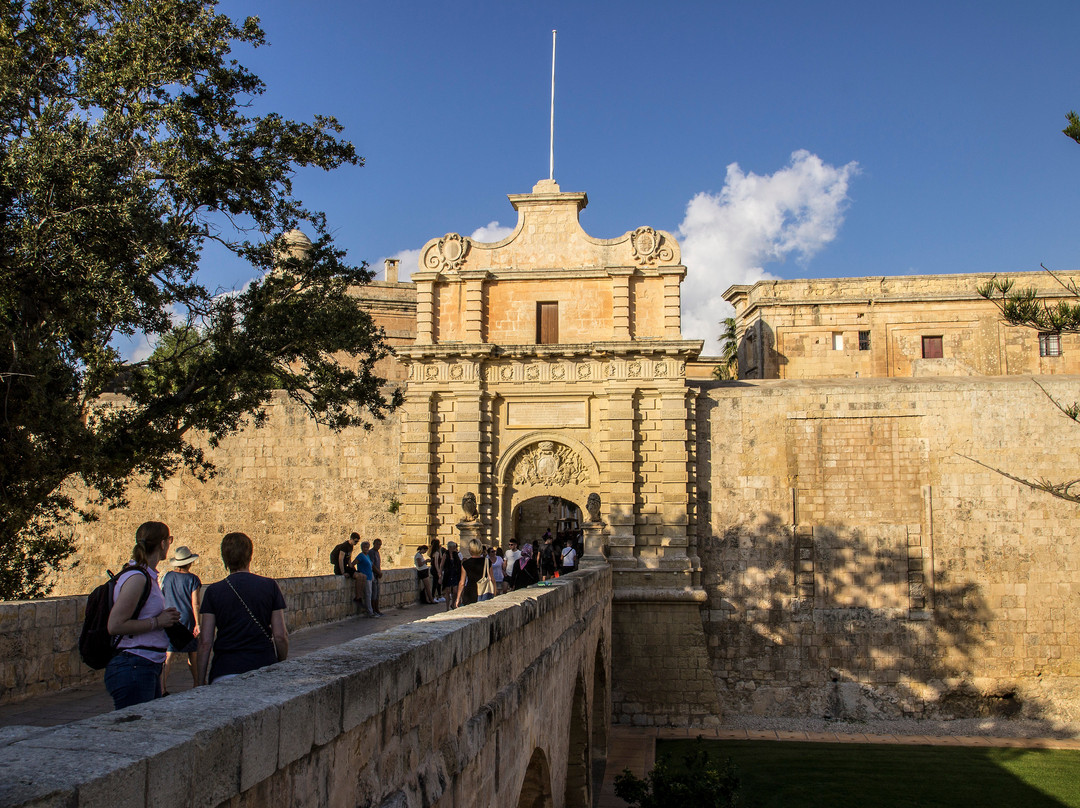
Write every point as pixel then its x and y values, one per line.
pixel 241 618
pixel 365 570
pixel 447 575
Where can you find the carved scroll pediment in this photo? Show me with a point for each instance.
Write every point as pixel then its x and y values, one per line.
pixel 447 253
pixel 549 464
pixel 650 247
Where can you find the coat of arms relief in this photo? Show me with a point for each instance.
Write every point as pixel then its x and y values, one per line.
pixel 549 464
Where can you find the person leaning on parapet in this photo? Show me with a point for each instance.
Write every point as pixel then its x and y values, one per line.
pixel 243 617
pixel 423 574
pixel 341 557
pixel 181 589
pixel 365 577
pixel 376 570
pixel 133 675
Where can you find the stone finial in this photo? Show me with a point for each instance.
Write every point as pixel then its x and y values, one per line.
pixel 391 265
pixel 468 507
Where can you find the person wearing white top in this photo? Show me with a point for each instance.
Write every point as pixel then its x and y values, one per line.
pixel 569 557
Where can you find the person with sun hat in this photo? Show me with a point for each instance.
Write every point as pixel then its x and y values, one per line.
pixel 181 589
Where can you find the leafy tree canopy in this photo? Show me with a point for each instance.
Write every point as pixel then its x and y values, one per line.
pixel 728 369
pixel 126 146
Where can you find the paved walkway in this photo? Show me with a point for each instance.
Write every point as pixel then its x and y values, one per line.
pixel 86 701
pixel 634 748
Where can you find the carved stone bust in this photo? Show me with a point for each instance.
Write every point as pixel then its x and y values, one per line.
pixel 592 505
pixel 468 507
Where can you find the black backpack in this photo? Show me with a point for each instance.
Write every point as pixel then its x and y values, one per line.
pixel 96 645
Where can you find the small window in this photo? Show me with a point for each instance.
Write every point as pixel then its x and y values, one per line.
pixel 1049 344
pixel 931 348
pixel 837 341
pixel 547 323
pixel 864 340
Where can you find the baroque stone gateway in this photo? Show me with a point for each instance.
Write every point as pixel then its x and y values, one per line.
pixel 815 542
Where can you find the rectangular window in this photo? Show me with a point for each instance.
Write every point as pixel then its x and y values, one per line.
pixel 931 348
pixel 864 340
pixel 837 341
pixel 1049 344
pixel 547 323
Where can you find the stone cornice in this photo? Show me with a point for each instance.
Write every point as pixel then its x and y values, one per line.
pixel 478 351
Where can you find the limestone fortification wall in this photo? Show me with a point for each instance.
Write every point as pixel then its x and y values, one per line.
pixel 296 488
pixel 858 564
pixel 39 639
pixel 499 703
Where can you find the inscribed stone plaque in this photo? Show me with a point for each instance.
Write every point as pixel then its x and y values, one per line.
pixel 535 414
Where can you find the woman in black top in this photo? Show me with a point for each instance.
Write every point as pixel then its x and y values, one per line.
pixel 473 569
pixel 451 573
pixel 243 617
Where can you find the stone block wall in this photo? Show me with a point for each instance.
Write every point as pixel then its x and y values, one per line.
pixel 499 703
pixel 296 488
pixel 39 639
pixel 859 564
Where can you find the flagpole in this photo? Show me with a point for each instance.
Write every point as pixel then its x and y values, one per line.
pixel 551 164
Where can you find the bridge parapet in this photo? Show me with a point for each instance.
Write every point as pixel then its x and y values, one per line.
pixel 486 705
pixel 39 639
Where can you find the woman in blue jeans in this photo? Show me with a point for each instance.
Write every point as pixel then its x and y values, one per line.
pixel 134 673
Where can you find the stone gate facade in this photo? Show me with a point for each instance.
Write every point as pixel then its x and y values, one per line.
pixel 552 363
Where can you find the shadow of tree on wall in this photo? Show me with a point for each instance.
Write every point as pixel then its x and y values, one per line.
pixel 837 625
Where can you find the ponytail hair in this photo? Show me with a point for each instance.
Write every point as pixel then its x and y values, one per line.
pixel 148 538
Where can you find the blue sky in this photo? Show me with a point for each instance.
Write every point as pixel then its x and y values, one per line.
pixel 870 139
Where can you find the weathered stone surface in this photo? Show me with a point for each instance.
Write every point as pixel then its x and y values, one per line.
pixel 458 696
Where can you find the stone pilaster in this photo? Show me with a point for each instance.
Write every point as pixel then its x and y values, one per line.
pixel 674 475
pixel 618 477
pixel 474 306
pixel 467 439
pixel 425 307
pixel 620 303
pixel 417 467
pixel 672 301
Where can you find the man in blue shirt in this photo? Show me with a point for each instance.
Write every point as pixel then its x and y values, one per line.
pixel 363 568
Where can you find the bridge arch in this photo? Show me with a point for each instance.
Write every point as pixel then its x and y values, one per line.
pixel 579 783
pixel 543 464
pixel 536 787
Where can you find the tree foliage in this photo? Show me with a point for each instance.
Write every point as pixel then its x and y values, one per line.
pixel 1022 307
pixel 728 369
pixel 1073 129
pixel 126 147
pixel 699 782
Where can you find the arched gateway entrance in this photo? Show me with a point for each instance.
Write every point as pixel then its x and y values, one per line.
pixel 547 466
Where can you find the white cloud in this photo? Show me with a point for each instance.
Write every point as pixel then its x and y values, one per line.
pixel 728 237
pixel 491 232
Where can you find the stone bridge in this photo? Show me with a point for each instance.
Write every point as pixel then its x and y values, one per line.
pixel 500 703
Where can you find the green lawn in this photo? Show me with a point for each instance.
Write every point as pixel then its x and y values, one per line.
pixel 777 774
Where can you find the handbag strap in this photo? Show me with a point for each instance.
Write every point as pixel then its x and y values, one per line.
pixel 251 614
